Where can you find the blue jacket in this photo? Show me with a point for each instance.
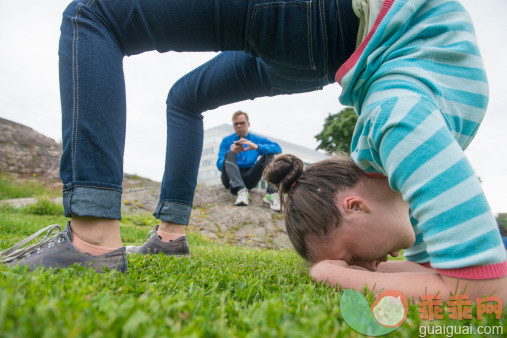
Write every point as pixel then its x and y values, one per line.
pixel 248 158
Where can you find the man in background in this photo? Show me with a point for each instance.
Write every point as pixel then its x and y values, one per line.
pixel 239 161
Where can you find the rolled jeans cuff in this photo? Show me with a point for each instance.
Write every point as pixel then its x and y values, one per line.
pixel 93 201
pixel 174 212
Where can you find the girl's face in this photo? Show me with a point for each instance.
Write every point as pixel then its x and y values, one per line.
pixel 358 247
pixel 362 247
pixel 375 223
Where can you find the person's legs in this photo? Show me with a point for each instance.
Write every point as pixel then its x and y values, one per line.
pixel 229 77
pixel 93 128
pixel 93 95
pixel 254 174
pixel 276 61
pixel 95 36
pixel 231 175
pixel 225 179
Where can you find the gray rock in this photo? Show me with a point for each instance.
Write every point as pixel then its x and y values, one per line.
pixel 255 225
pixel 214 214
pixel 25 152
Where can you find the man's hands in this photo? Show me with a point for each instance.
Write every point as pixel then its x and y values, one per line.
pixel 249 144
pixel 238 147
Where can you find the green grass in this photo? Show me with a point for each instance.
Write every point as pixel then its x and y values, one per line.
pixel 220 291
pixel 18 188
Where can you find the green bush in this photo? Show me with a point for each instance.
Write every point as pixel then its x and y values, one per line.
pixel 11 187
pixel 502 223
pixel 44 206
pixel 140 220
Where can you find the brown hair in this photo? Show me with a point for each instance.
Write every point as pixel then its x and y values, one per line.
pixel 238 113
pixel 309 204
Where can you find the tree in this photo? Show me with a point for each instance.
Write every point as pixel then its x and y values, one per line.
pixel 501 219
pixel 337 132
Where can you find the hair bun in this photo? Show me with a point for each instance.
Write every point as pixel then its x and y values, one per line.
pixel 283 171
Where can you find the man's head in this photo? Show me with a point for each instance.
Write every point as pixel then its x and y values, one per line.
pixel 240 123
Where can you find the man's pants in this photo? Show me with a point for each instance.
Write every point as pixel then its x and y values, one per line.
pixel 235 178
pixel 272 47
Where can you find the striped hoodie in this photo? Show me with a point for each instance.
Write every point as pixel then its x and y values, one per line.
pixel 418 84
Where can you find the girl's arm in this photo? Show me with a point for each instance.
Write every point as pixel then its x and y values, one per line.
pixel 412 284
pixel 402 266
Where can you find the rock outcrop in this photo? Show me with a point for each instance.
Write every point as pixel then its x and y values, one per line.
pixel 214 214
pixel 25 152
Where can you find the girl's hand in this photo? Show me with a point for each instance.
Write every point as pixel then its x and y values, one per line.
pixel 320 271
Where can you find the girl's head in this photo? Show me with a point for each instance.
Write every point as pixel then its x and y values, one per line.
pixel 333 210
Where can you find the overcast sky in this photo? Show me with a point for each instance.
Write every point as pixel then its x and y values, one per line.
pixel 29 94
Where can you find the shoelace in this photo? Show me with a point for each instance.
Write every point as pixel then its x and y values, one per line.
pixel 134 248
pixel 18 251
pixel 152 232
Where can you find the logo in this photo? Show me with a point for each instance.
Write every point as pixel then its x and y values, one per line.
pixel 390 308
pixel 387 313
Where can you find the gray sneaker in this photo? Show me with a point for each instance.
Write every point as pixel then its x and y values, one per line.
pixel 57 251
pixel 154 245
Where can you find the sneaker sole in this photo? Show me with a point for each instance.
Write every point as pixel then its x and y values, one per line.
pixel 137 253
pixel 178 255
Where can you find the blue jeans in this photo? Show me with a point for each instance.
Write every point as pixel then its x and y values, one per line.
pixel 270 47
pixel 235 178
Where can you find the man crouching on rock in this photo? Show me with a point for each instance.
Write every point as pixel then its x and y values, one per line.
pixel 239 161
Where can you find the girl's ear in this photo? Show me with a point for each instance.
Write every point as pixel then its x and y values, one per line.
pixel 355 204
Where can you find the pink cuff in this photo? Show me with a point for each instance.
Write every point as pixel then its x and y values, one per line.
pixel 491 271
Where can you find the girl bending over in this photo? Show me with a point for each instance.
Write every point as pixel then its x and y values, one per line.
pixel 418 84
pixel 346 223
